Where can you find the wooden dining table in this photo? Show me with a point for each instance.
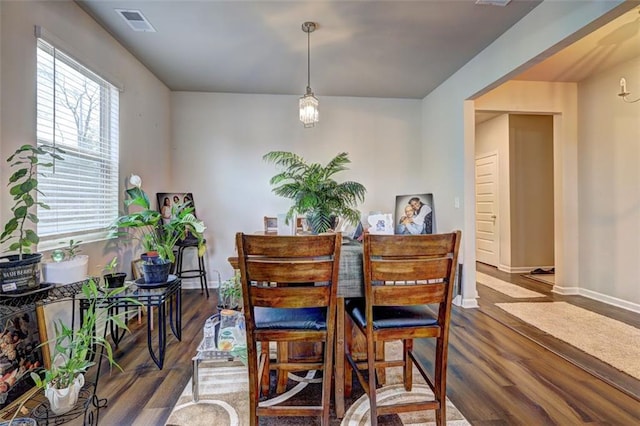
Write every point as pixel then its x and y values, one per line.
pixel 350 284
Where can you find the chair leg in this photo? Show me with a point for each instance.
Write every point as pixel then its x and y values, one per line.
pixel 348 344
pixel 326 380
pixel 440 381
pixel 381 372
pixel 283 356
pixel 254 382
pixel 371 366
pixel 408 364
pixel 265 379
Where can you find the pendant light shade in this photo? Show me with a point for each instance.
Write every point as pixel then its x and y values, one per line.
pixel 309 112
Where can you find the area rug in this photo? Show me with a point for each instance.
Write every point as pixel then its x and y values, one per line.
pixel 544 278
pixel 609 340
pixel 504 287
pixel 224 400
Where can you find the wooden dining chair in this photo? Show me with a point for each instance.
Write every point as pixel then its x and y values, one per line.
pixel 402 275
pixel 280 305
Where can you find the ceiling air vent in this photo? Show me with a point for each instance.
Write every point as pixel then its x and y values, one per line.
pixel 136 20
pixel 493 2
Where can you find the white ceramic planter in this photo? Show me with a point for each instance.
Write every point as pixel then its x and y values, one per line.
pixel 67 271
pixel 63 400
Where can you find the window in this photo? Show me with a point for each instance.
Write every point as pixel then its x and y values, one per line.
pixel 77 111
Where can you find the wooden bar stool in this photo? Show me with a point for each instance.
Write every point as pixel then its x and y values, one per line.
pixel 200 273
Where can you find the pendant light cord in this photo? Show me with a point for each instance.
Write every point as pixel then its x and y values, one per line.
pixel 308 60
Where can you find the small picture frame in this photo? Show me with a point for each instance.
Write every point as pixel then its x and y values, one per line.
pixel 169 203
pixel 136 269
pixel 381 223
pixel 415 214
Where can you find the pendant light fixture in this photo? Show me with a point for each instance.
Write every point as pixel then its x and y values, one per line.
pixel 308 102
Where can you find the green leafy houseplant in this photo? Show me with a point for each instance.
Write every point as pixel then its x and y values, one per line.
pixel 147 227
pixel 113 278
pixel 23 185
pixel 314 191
pixel 19 272
pixel 230 293
pixel 74 347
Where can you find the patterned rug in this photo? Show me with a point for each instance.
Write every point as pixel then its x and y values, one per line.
pixel 609 340
pixel 504 287
pixel 224 400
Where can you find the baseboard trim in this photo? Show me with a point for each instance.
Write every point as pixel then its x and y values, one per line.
pixel 566 291
pixel 614 301
pixel 520 269
pixel 469 303
pixel 609 300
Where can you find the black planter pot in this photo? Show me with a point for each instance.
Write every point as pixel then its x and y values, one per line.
pixel 115 280
pixel 156 272
pixel 326 223
pixel 19 275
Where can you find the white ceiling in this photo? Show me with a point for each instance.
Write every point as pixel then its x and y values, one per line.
pixel 390 49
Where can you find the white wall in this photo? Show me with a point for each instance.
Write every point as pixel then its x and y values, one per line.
pixel 448 123
pixel 219 140
pixel 144 104
pixel 609 189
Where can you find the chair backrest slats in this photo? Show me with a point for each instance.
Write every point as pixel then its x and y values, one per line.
pixel 294 271
pixel 410 269
pixel 274 246
pixel 439 245
pixel 409 294
pixel 290 297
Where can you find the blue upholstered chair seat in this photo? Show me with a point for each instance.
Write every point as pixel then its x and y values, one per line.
pixel 391 316
pixel 290 319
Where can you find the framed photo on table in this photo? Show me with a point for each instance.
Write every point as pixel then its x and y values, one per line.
pixel 21 334
pixel 415 214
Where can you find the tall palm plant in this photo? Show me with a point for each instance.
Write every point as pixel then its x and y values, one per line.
pixel 313 190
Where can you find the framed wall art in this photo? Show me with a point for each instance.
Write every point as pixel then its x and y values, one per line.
pixel 170 202
pixel 415 214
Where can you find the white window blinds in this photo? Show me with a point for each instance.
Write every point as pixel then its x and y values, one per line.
pixel 77 111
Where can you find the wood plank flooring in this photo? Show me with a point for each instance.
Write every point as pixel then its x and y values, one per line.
pixel 496 375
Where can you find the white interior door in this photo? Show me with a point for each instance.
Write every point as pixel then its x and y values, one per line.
pixel 487 242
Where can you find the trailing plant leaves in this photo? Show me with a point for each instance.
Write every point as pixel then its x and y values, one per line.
pixel 31 236
pixel 20 212
pixel 19 174
pixel 9 227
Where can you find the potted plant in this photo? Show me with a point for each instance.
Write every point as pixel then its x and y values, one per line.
pixel 112 278
pixel 20 272
pixel 67 265
pixel 313 190
pixel 73 349
pixel 230 293
pixel 147 227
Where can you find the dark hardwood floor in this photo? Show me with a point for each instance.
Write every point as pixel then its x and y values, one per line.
pixel 497 376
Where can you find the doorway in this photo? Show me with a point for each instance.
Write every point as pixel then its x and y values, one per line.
pixel 514 181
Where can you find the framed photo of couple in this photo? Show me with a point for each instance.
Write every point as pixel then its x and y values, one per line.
pixel 414 214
